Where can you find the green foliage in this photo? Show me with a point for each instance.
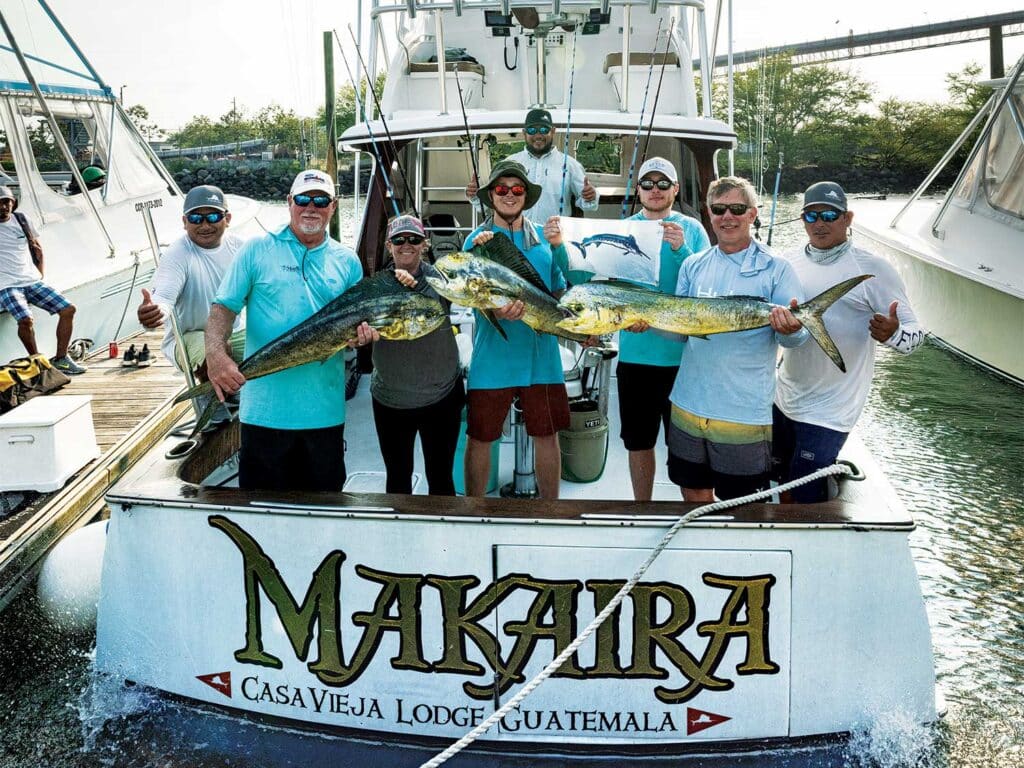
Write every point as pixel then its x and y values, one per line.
pixel 602 155
pixel 140 116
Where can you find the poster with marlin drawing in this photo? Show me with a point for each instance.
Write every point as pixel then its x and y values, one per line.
pixel 623 249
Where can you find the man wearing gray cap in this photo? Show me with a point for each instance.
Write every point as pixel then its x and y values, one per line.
pixel 187 279
pixel 21 284
pixel 816 404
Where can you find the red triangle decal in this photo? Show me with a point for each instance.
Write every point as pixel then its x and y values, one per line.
pixel 219 681
pixel 698 720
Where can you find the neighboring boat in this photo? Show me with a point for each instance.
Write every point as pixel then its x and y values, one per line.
pixel 960 256
pixel 58 117
pixel 412 618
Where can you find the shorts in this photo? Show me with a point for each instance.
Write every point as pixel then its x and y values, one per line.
pixel 643 403
pixel 16 300
pixel 798 449
pixel 292 459
pixel 545 408
pixel 733 459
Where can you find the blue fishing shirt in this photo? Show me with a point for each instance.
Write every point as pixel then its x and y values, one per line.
pixel 280 282
pixel 653 348
pixel 731 376
pixel 527 357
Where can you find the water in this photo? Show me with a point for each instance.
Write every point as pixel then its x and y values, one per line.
pixel 949 436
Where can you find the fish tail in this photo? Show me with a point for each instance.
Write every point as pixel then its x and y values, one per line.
pixel 583 249
pixel 206 388
pixel 810 313
pixel 204 418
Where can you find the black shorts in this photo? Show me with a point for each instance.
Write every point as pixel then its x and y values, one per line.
pixel 292 459
pixel 643 402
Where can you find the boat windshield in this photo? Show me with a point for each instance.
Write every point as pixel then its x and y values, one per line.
pixel 997 173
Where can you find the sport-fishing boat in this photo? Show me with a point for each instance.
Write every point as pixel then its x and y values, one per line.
pixel 411 618
pixel 57 118
pixel 960 254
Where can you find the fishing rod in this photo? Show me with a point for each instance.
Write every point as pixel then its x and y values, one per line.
pixel 384 123
pixel 465 122
pixel 640 126
pixel 373 139
pixel 568 125
pixel 775 200
pixel 654 107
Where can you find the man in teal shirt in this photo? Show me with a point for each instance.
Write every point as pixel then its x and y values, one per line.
pixel 293 421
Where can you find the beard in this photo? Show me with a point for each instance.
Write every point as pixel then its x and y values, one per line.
pixel 541 151
pixel 311 228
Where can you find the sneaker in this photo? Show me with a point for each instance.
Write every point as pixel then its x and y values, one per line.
pixel 144 359
pixel 67 366
pixel 131 357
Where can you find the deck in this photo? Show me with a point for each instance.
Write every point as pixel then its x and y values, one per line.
pixel 132 411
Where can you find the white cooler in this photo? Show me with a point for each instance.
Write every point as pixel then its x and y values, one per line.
pixel 45 441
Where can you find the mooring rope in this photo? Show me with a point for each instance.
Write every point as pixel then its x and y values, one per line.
pixel 550 669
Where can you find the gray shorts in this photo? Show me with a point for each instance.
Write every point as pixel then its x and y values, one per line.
pixel 726 447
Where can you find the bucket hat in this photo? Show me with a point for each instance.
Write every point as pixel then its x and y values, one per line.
pixel 6 194
pixel 509 168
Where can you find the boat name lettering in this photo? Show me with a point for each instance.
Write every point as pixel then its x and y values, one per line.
pixel 661 613
pixel 317 699
pixel 157 203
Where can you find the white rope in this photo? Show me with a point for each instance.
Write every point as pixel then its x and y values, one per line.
pixel 550 669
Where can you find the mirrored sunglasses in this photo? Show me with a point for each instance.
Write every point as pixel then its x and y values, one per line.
pixel 320 201
pixel 516 189
pixel 533 130
pixel 736 209
pixel 403 239
pixel 827 216
pixel 209 218
pixel 648 184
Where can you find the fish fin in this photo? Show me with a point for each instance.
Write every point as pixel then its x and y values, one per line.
pixel 580 247
pixel 503 251
pixel 762 299
pixel 206 388
pixel 489 314
pixel 810 313
pixel 697 336
pixel 204 418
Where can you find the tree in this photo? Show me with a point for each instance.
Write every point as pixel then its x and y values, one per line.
pixel 140 116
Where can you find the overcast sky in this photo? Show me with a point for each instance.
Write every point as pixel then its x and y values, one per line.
pixel 187 57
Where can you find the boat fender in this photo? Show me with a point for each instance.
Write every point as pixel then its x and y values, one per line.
pixel 69 581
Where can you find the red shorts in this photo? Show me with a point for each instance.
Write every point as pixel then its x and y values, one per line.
pixel 545 408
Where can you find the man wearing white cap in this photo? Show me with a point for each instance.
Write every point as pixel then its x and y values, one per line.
pixel 281 279
pixel 648 360
pixel 21 284
pixel 816 404
pixel 189 274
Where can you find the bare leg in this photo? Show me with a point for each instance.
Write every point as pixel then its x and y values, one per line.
pixel 704 495
pixel 65 321
pixel 28 336
pixel 477 468
pixel 641 473
pixel 548 465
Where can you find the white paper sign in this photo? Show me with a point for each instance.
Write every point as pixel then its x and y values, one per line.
pixel 624 249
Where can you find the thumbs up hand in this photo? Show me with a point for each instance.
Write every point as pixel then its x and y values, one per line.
pixel 589 193
pixel 149 314
pixel 882 327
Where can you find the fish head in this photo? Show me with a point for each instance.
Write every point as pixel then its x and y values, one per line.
pixel 469 280
pixel 588 312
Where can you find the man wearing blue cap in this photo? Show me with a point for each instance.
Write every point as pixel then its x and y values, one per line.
pixel 816 404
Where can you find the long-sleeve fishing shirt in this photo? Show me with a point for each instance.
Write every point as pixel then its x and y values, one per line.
pixel 731 376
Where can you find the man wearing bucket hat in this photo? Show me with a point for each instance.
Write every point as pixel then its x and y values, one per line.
pixel 816 405
pixel 22 286
pixel 417 385
pixel 281 279
pixel 543 162
pixel 187 279
pixel 527 364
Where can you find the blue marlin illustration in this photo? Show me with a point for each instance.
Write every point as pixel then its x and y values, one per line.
pixel 625 243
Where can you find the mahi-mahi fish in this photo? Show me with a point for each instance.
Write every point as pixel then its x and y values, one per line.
pixel 625 243
pixel 494 275
pixel 603 307
pixel 396 312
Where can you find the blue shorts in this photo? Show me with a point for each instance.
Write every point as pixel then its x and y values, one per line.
pixel 17 300
pixel 799 449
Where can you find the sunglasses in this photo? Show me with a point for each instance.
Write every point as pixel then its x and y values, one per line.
pixel 533 130
pixel 403 239
pixel 827 216
pixel 319 201
pixel 662 184
pixel 516 189
pixel 736 209
pixel 209 218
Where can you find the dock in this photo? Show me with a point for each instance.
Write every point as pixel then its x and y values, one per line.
pixel 132 410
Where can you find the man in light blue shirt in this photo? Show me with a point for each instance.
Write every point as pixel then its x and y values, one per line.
pixel 720 435
pixel 292 421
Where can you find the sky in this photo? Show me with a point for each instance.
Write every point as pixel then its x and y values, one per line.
pixel 192 57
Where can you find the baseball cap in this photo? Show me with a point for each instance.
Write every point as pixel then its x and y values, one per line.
pixel 406 224
pixel 825 193
pixel 312 180
pixel 6 194
pixel 659 165
pixel 538 117
pixel 205 196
